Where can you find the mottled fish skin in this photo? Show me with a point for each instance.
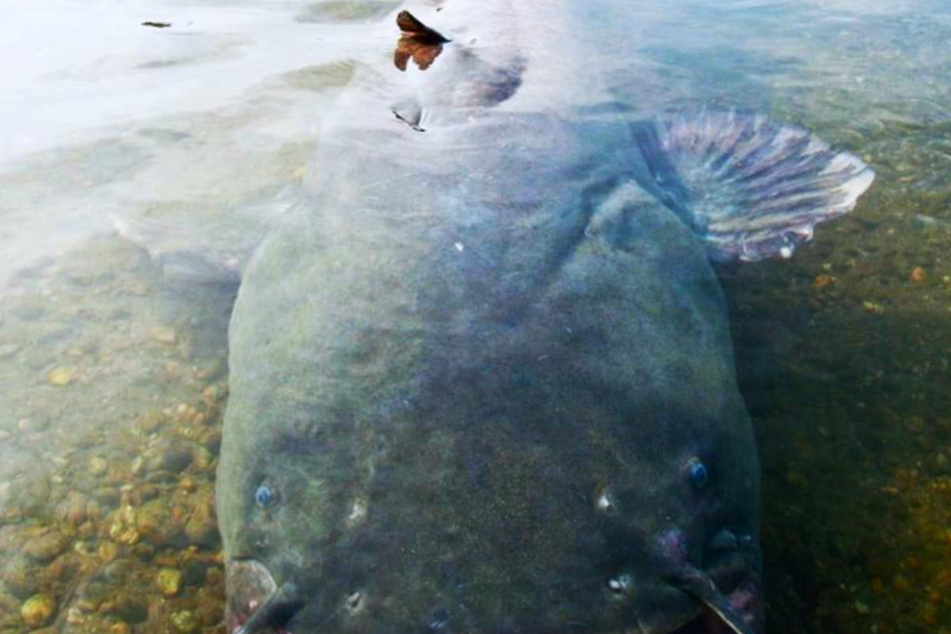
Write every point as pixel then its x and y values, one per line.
pixel 482 382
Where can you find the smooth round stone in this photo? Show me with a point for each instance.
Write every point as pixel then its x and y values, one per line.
pixel 185 622
pixel 38 609
pixel 169 581
pixel 61 377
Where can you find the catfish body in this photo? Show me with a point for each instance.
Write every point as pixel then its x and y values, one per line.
pixel 482 381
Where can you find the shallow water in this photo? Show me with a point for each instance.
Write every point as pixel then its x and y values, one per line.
pixel 113 375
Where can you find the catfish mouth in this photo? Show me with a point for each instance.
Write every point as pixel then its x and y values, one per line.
pixel 255 603
pixel 739 611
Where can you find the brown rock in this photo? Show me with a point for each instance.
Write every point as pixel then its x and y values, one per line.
pixel 211 440
pixel 107 551
pixel 98 465
pixel 164 334
pixel 187 484
pixel 169 581
pixel 150 421
pixel 72 509
pixel 61 377
pixel 37 610
pixel 160 525
pixel 18 577
pixel 201 529
pixel 120 628
pixel 168 455
pixel 45 546
pixel 822 281
pixel 130 609
pixel 8 612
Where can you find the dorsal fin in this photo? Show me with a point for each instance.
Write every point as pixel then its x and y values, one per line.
pixel 417 42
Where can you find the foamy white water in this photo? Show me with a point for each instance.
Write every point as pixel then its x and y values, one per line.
pixel 75 67
pixel 101 115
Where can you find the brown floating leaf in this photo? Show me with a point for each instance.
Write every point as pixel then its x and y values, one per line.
pixel 417 42
pixel 157 25
pixel 410 25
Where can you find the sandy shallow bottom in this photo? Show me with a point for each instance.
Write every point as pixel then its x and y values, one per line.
pixel 115 380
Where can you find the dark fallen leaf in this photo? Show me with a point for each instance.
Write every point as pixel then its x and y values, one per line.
pixel 417 42
pixel 157 25
pixel 411 26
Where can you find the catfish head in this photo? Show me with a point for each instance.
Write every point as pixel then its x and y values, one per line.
pixel 513 529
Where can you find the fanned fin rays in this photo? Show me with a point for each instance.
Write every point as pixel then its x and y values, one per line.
pixel 751 188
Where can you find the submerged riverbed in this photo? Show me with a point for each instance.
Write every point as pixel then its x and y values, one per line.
pixel 113 375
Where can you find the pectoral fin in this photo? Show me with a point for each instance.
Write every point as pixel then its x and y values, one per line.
pixel 749 187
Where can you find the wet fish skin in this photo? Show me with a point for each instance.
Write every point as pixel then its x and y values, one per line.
pixel 482 377
pixel 477 403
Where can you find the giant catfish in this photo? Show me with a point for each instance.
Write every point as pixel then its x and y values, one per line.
pixel 482 380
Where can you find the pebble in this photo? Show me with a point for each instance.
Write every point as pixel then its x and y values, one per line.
pixel 97 465
pixel 941 461
pixel 187 484
pixel 168 455
pixel 61 377
pixel 45 547
pixel 185 622
pixel 150 421
pixel 9 607
pixel 358 513
pixel 120 628
pixel 169 581
pixel 123 528
pixel 204 459
pixel 18 577
pixel 211 439
pixel 201 528
pixel 164 334
pixel 107 551
pixel 85 605
pixel 72 509
pixel 918 275
pixel 107 496
pixel 155 522
pixel 822 281
pixel 37 610
pixel 873 307
pixel 193 573
pixel 130 609
pixel 74 616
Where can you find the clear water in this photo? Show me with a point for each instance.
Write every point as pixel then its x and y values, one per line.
pixel 113 376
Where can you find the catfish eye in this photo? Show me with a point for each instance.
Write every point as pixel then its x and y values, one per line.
pixel 264 496
pixel 697 473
